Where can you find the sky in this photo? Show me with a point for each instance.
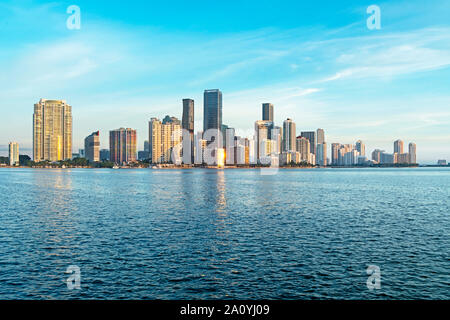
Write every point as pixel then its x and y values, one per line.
pixel 316 61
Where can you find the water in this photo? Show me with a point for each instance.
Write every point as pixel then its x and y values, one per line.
pixel 208 234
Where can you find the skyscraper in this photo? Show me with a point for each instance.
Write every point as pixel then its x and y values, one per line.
pixel 335 153
pixel 212 109
pixel 92 147
pixel 289 136
pixel 187 123
pixel 13 153
pixel 263 130
pixel 154 140
pixel 104 155
pixel 412 153
pixel 303 148
pixel 122 145
pixel 398 146
pixel 267 112
pixel 320 136
pixel 322 154
pixel 52 130
pixel 360 147
pixel 311 136
pixel 171 138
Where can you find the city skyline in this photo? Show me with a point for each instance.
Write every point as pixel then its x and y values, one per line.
pixel 314 68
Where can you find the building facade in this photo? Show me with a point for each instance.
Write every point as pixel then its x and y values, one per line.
pixel 289 135
pixel 52 131
pixel 122 145
pixel 92 147
pixel 267 112
pixel 13 154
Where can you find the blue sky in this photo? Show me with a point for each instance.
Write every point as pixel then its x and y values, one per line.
pixel 315 60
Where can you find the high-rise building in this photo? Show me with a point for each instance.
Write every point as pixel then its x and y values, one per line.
pixel 154 140
pixel 92 147
pixel 320 136
pixel 360 147
pixel 303 148
pixel 412 153
pixel 311 136
pixel 122 145
pixel 212 109
pixel 187 123
pixel 263 130
pixel 171 138
pixel 376 155
pixel 322 154
pixel 13 154
pixel 335 153
pixel 289 135
pixel 146 146
pixel 398 146
pixel 267 112
pixel 230 145
pixel 104 155
pixel 52 130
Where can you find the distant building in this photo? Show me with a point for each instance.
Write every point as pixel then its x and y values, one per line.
pixel 171 138
pixel 289 135
pixel 360 147
pixel 398 146
pixel 311 136
pixel 412 153
pixel 142 155
pixel 92 147
pixel 321 159
pixel 187 123
pixel 154 140
pixel 442 162
pixel 52 130
pixel 122 145
pixel 104 155
pixel 14 154
pixel 263 130
pixel 212 109
pixel 267 112
pixel 320 136
pixel 376 155
pixel 402 158
pixel 335 153
pixel 303 148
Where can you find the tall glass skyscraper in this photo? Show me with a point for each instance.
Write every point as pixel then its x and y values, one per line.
pixel 52 130
pixel 289 136
pixel 212 109
pixel 187 123
pixel 267 112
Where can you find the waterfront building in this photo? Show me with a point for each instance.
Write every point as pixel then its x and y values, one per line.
pixel 320 134
pixel 230 144
pixel 335 153
pixel 267 112
pixel 263 130
pixel 321 157
pixel 289 136
pixel 303 147
pixel 212 109
pixel 311 136
pixel 360 147
pixel 376 155
pixel 122 145
pixel 442 162
pixel 52 130
pixel 13 154
pixel 171 138
pixel 92 147
pixel 412 153
pixel 155 140
pixel 398 146
pixel 187 123
pixel 104 155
